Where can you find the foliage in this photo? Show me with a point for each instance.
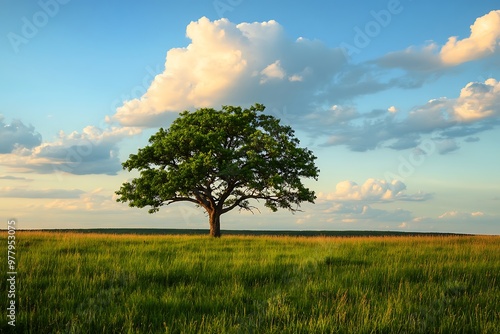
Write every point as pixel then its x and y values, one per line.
pixel 219 160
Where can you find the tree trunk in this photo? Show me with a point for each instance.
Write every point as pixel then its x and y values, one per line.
pixel 214 219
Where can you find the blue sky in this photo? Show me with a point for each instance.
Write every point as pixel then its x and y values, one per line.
pixel 399 100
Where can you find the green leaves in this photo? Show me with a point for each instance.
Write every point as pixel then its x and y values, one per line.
pixel 221 159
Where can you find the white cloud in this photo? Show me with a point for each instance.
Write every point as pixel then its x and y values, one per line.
pixel 448 214
pixel 228 63
pixel 478 101
pixel 372 190
pixel 392 109
pixel 483 41
pixel 358 206
pixel 273 71
pixel 193 76
pixel 296 77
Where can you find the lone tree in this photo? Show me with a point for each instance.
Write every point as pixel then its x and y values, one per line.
pixel 219 160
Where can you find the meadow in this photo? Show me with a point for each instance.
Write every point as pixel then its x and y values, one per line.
pixel 109 283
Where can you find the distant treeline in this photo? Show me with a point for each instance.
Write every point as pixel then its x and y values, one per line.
pixel 308 233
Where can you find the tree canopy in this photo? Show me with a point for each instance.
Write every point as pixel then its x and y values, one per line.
pixel 220 160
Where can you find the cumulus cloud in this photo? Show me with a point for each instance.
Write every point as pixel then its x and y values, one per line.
pixel 228 63
pixel 484 40
pixel 273 71
pixel 92 151
pixel 393 109
pixel 17 135
pixel 372 190
pixel 359 205
pixel 477 101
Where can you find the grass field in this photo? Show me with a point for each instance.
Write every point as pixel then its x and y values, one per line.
pixel 97 283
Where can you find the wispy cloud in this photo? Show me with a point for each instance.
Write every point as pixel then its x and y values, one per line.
pixel 456 221
pixel 92 151
pixel 358 215
pixel 98 200
pixel 476 109
pixel 39 193
pixel 14 178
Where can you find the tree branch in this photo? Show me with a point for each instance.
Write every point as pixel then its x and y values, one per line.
pixel 180 199
pixel 244 198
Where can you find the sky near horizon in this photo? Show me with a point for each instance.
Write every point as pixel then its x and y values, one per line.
pixel 399 100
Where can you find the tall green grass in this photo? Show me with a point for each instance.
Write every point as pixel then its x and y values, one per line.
pixel 91 283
